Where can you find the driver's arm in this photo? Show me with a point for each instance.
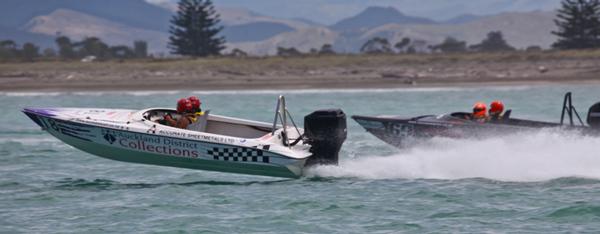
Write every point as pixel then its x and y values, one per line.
pixel 170 121
pixel 183 122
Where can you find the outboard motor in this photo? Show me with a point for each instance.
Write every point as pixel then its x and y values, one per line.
pixel 326 132
pixel 593 118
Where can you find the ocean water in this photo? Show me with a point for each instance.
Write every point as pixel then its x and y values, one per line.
pixel 539 182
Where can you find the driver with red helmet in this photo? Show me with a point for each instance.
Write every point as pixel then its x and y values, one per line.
pixel 185 109
pixel 479 113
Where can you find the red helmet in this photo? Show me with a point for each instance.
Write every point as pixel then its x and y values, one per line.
pixel 195 102
pixel 496 107
pixel 479 110
pixel 184 105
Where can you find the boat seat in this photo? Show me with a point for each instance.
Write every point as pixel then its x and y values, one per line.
pixel 200 124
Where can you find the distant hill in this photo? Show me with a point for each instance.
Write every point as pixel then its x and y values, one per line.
pixel 519 29
pixel 461 19
pixel 236 16
pixel 254 31
pixel 307 21
pixel 115 21
pixel 21 37
pixel 134 13
pixel 377 16
pixel 302 39
pixel 61 22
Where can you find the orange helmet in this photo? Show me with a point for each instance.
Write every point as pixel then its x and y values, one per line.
pixel 479 110
pixel 496 107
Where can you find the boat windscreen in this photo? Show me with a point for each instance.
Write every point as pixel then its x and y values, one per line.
pixel 460 115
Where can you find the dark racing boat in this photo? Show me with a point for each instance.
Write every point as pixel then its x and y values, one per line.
pixel 401 132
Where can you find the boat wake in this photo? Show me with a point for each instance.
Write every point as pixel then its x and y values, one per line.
pixel 526 157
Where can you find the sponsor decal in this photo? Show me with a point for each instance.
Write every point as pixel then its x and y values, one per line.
pixel 153 144
pixel 192 136
pixel 109 137
pixel 69 129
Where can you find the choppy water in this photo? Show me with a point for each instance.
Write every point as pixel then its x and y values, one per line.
pixel 539 182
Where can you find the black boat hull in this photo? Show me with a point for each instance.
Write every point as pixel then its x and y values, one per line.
pixel 402 132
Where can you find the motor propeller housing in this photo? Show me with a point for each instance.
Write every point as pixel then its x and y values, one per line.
pixel 326 132
pixel 593 118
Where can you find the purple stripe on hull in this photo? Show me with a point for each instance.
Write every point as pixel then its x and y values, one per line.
pixel 48 112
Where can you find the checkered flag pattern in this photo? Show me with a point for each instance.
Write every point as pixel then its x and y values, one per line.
pixel 238 155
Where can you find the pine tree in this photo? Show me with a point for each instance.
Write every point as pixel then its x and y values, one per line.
pixel 194 30
pixel 578 25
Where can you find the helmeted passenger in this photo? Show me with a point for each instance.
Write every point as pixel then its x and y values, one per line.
pixel 198 117
pixel 496 109
pixel 196 105
pixel 479 112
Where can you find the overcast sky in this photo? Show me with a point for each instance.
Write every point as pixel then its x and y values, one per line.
pixel 330 11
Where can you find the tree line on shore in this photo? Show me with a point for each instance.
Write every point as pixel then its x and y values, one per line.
pixel 90 48
pixel 494 42
pixel 195 32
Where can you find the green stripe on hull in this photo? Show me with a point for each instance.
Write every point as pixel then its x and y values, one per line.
pixel 126 155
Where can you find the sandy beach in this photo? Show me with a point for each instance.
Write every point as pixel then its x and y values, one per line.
pixel 307 72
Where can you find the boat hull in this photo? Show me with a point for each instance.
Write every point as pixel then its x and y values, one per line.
pixel 121 144
pixel 402 132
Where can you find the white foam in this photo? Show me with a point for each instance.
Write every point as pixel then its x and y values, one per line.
pixel 537 156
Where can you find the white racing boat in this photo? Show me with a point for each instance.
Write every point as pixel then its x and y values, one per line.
pixel 214 143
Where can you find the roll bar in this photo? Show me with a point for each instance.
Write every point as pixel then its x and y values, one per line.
pixel 282 114
pixel 569 109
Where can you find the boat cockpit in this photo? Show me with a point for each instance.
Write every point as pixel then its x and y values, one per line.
pixel 215 124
